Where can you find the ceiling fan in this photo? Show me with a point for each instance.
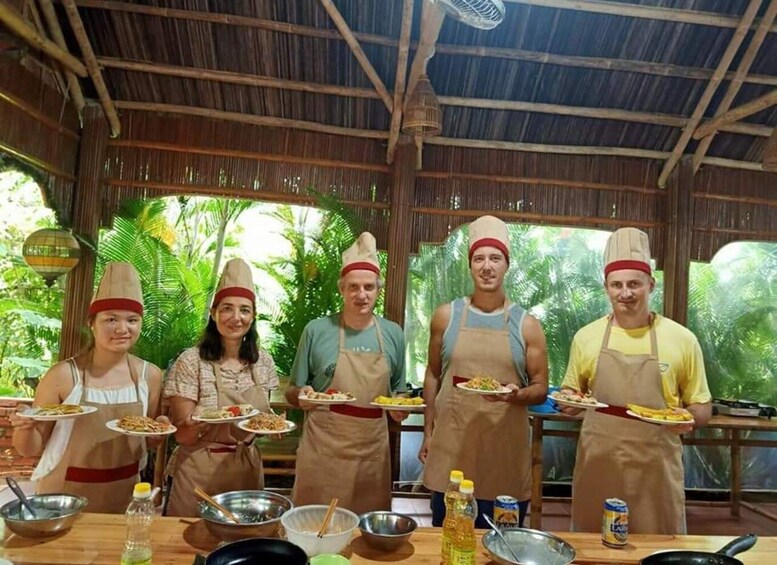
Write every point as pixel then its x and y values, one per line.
pixel 481 14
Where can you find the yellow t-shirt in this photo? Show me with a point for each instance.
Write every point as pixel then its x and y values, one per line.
pixel 679 358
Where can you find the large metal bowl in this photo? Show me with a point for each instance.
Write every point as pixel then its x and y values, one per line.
pixel 386 531
pixel 259 512
pixel 61 510
pixel 532 547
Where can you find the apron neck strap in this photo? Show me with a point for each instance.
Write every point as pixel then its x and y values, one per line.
pixel 377 331
pixel 651 325
pixel 88 364
pixel 468 303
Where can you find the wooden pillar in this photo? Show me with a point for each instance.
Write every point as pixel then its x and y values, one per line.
pixel 677 250
pixel 400 232
pixel 87 211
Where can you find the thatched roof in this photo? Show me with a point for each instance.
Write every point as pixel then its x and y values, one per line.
pixel 605 76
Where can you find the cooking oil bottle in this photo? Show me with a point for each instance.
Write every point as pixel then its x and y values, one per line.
pixel 449 523
pixel 464 543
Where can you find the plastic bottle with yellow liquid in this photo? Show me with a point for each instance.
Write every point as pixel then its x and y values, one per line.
pixel 449 523
pixel 139 516
pixel 464 541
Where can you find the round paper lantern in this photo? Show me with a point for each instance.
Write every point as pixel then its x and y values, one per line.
pixel 51 253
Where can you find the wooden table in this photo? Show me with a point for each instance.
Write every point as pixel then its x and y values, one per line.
pixel 732 438
pixel 97 539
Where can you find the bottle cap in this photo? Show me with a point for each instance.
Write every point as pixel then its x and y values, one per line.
pixel 467 486
pixel 142 490
pixel 457 476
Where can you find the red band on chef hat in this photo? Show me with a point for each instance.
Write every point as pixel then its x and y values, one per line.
pixel 237 291
pixel 489 242
pixel 360 265
pixel 115 304
pixel 628 264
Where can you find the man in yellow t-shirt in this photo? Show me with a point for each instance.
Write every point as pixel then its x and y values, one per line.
pixel 634 356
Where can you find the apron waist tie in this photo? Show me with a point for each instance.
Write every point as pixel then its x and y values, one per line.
pixel 225 448
pixel 619 411
pixel 357 411
pixel 87 475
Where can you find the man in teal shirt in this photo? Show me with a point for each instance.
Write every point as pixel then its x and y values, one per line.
pixel 344 450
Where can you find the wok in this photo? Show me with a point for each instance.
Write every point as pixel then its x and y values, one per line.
pixel 724 556
pixel 256 551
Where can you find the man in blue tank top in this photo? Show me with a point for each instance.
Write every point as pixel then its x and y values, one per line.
pixel 483 335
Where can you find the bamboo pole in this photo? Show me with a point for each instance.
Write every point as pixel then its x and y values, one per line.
pixel 643 67
pixel 728 56
pixel 431 23
pixel 36 114
pixel 252 155
pixel 56 33
pixel 728 118
pixel 35 162
pixel 399 82
pixel 250 119
pixel 32 9
pixel 91 64
pixel 637 11
pixel 358 52
pixel 742 69
pixel 14 22
pixel 235 78
pixel 732 164
pixel 738 199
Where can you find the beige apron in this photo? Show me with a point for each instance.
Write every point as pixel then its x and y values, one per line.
pixel 622 457
pixel 98 463
pixel 223 459
pixel 344 450
pixel 488 441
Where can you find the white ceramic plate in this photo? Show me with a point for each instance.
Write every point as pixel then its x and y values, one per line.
pixel 573 404
pixel 230 420
pixel 290 426
pixel 113 425
pixel 657 421
pixel 400 407
pixel 31 413
pixel 325 401
pixel 464 387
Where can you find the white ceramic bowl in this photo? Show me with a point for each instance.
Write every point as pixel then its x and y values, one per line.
pixel 302 524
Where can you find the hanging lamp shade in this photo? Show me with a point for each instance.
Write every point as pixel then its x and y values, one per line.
pixel 422 113
pixel 51 253
pixel 770 153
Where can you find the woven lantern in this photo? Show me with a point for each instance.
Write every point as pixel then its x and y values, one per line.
pixel 770 153
pixel 422 113
pixel 51 253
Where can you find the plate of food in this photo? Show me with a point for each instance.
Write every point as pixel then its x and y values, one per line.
pixel 576 399
pixel 267 423
pixel 483 385
pixel 399 403
pixel 49 412
pixel 140 426
pixel 660 416
pixel 331 396
pixel 234 413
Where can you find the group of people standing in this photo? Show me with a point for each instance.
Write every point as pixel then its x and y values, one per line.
pixel 632 355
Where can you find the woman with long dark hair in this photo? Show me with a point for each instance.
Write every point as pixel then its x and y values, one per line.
pixel 81 456
pixel 226 368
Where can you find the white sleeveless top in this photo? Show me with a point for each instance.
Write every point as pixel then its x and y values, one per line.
pixel 60 435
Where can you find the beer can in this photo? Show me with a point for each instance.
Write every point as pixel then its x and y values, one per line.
pixel 615 523
pixel 506 510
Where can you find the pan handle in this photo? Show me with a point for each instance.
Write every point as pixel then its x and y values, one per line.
pixel 742 543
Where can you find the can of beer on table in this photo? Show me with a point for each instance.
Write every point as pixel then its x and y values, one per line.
pixel 615 523
pixel 506 510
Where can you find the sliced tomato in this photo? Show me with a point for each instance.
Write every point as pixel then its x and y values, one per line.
pixel 234 410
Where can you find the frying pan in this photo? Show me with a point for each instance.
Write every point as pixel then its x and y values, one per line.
pixel 256 551
pixel 724 556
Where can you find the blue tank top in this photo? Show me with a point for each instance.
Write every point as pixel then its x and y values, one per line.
pixel 491 320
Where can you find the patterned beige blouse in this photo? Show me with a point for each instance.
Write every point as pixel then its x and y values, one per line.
pixel 191 377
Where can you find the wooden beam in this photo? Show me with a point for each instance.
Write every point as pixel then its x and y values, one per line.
pixel 235 78
pixel 677 242
pixel 728 118
pixel 637 11
pixel 31 8
pixel 35 162
pixel 91 64
pixel 399 82
pixel 625 65
pixel 698 113
pixel 431 23
pixel 742 69
pixel 358 52
pixel 14 22
pixel 36 114
pixel 74 87
pixel 732 164
pixel 250 119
